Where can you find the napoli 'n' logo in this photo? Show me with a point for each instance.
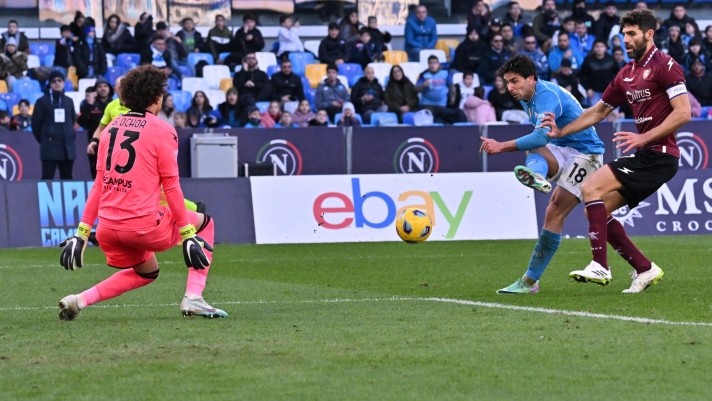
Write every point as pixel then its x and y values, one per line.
pixel 416 155
pixel 693 151
pixel 282 154
pixel 626 215
pixel 10 164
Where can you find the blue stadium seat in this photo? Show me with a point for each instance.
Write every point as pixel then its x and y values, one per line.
pixel 263 106
pixel 181 100
pixel 305 83
pixel 3 105
pixel 185 71
pixel 299 62
pixel 352 71
pixel 705 111
pixel 112 73
pixel 194 58
pixel 49 60
pixel 10 99
pixel 128 60
pixel 409 118
pixel 376 116
pixel 488 89
pixel 68 86
pixel 310 95
pixel 223 56
pixel 463 124
pixel 272 69
pixel 337 117
pixel 42 50
pixel 33 96
pixel 172 84
pixel 26 86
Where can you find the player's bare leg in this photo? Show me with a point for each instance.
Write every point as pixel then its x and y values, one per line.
pixel 119 283
pixel 193 303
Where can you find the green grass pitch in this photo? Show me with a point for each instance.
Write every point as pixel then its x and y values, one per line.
pixel 287 338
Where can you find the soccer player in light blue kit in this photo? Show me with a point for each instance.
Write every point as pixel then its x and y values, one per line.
pixel 567 161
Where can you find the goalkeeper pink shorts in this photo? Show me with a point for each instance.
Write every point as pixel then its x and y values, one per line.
pixel 126 249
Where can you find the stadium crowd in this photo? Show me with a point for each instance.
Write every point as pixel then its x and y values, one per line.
pixel 352 77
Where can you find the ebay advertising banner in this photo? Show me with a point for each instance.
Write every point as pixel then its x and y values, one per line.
pixel 355 208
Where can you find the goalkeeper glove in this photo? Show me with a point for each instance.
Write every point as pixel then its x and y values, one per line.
pixel 73 248
pixel 193 248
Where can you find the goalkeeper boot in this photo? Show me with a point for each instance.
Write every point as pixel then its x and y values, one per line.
pixel 520 287
pixel 641 281
pixel 198 307
pixel 531 179
pixel 69 308
pixel 594 273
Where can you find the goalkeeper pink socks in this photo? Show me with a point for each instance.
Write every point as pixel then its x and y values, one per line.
pixel 117 284
pixel 197 278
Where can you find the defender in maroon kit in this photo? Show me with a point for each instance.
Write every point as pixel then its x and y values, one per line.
pixel 654 86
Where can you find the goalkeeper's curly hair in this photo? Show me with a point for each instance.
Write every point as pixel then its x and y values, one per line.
pixel 142 86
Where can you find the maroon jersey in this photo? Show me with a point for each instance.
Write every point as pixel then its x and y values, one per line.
pixel 648 87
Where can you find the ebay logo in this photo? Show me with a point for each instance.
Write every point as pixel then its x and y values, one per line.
pixel 350 211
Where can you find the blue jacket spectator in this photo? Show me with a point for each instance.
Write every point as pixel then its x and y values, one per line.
pixel 564 50
pixel 253 118
pixel 231 114
pixel 581 40
pixel 539 58
pixel 432 84
pixel 331 94
pixel 420 33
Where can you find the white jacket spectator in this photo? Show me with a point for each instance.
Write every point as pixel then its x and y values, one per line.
pixel 289 40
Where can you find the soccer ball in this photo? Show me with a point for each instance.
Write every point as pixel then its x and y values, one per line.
pixel 413 225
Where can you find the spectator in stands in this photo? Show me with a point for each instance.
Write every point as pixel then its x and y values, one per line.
pixel 479 18
pixel 420 33
pixel 175 47
pixel 568 26
pixel 77 26
pixel 477 109
pixel 580 13
pixel 180 121
pixel 511 43
pixel 619 55
pixel 692 31
pixel 699 83
pixel 501 99
pixel 286 121
pixel 23 45
pixel 53 127
pixel 117 38
pixel 539 58
pixel 460 91
pixel 252 83
pixel 606 21
pixel 143 32
pixel 495 28
pixel 514 17
pixel 694 52
pixel 380 38
pixel 289 40
pixel 199 110
pixel 89 56
pixel 91 111
pixel 678 17
pixel 219 38
pixel 250 35
pixel 432 85
pixel 321 119
pixel 12 63
pixel 63 48
pixel 286 86
pixel 348 116
pixel 580 39
pixel 303 115
pixel 348 30
pixel 598 70
pixel 492 58
pixel 231 114
pixel 567 79
pixel 641 5
pixel 707 43
pixel 564 51
pixel 332 49
pixel 253 120
pixel 23 120
pixel 674 44
pixel 190 38
pixel 272 116
pixel 168 110
pixel 366 51
pixel 546 24
pixel 400 94
pixel 4 121
pixel 157 55
pixel 468 53
pixel 367 95
pixel 331 94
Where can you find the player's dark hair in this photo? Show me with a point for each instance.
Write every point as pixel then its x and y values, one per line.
pixel 643 19
pixel 519 64
pixel 142 86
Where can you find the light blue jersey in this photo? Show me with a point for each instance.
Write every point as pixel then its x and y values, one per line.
pixel 553 98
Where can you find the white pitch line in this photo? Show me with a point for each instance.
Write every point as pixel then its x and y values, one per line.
pixel 489 305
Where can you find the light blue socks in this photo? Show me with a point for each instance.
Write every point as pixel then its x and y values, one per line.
pixel 544 250
pixel 537 163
